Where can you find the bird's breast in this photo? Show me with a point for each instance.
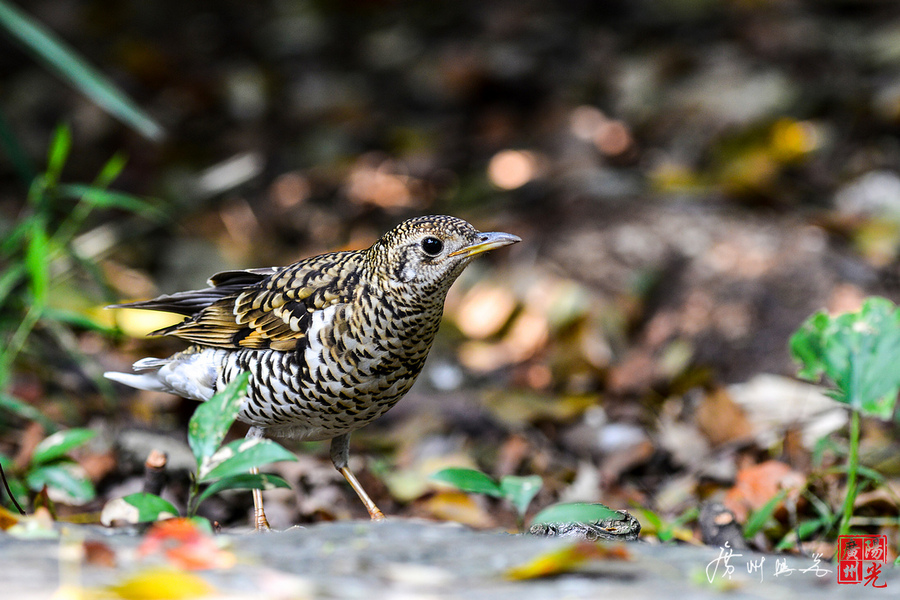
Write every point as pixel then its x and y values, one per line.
pixel 357 361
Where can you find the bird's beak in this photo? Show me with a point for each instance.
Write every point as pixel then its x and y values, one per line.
pixel 487 241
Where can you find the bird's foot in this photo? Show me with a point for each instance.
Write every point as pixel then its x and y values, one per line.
pixel 262 524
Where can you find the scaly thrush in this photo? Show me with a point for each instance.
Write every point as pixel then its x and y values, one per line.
pixel 331 342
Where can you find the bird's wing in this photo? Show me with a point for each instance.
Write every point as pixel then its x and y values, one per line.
pixel 261 308
pixel 222 285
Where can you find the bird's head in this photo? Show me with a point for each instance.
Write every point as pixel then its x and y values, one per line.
pixel 424 256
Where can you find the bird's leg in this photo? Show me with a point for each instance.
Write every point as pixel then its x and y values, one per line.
pixel 262 524
pixel 340 454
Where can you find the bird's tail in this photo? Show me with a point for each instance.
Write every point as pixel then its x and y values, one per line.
pixel 143 381
pixel 189 374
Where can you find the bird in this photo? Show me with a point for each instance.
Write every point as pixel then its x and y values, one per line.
pixel 331 342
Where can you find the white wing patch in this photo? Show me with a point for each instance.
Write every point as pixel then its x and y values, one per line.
pixel 315 352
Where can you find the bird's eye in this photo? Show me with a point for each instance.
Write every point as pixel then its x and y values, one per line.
pixel 432 246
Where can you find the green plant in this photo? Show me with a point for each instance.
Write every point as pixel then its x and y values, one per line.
pixel 518 491
pixel 858 355
pixel 668 529
pixel 61 58
pixel 38 254
pixel 51 466
pixel 219 467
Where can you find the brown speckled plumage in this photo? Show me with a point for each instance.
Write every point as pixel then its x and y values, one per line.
pixel 331 342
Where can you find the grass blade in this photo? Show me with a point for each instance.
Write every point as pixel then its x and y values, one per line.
pixel 60 147
pixel 101 198
pixel 25 411
pixel 37 263
pixel 761 517
pixel 111 170
pixel 10 279
pixel 70 66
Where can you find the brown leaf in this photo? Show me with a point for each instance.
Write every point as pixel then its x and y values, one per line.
pixel 99 554
pixel 757 484
pixel 8 518
pixel 721 420
pixel 484 310
pixel 31 437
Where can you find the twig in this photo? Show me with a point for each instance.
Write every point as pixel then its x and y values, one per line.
pixel 9 492
pixel 155 475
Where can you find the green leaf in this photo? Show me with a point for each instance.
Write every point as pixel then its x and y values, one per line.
pixel 9 279
pixel 212 419
pixel 19 491
pixel 60 147
pixel 37 263
pixel 469 480
pixel 16 486
pixel 111 170
pixel 760 517
pixel 58 444
pixel 580 512
pixel 244 481
pixel 803 531
pixel 240 456
pixel 520 491
pixel 75 319
pixel 70 66
pixel 25 410
pixel 876 477
pixel 65 477
pixel 858 352
pixel 150 507
pixel 99 197
pixel 12 242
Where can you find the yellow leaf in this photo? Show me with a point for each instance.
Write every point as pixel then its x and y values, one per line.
pixel 458 507
pixel 8 518
pixel 138 323
pixel 162 584
pixel 567 559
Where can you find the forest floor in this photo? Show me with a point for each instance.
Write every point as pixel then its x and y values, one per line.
pixel 691 181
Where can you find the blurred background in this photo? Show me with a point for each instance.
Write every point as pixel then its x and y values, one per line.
pixel 691 180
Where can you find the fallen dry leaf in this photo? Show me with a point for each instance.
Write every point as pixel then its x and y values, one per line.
pixel 484 310
pixel 458 507
pixel 99 554
pixel 721 420
pixel 162 583
pixel 757 484
pixel 185 545
pixel 8 518
pixel 519 408
pixel 567 559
